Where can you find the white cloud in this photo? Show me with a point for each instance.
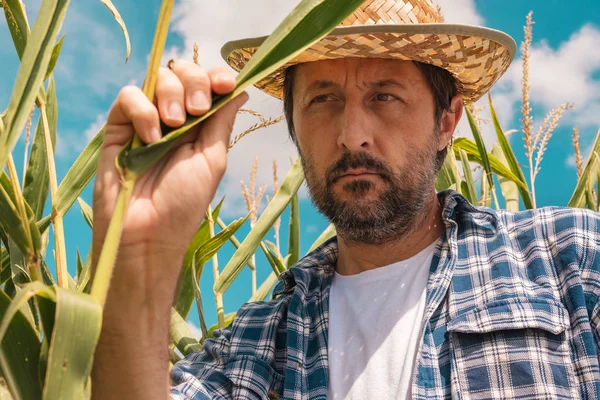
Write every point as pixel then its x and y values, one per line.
pixel 196 331
pixel 224 21
pixel 460 12
pixel 95 127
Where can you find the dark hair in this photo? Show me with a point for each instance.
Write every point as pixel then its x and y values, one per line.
pixel 440 81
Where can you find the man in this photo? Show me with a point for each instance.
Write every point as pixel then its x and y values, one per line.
pixel 420 295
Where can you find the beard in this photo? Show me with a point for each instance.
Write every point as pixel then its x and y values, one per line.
pixel 391 215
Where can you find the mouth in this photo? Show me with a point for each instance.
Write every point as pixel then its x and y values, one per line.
pixel 357 174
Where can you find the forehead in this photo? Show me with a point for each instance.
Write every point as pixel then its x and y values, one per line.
pixel 358 70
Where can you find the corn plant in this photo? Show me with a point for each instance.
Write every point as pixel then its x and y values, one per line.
pixel 50 321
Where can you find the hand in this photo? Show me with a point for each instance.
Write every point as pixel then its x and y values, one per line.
pixel 170 200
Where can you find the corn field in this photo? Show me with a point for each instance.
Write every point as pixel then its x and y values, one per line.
pixel 50 321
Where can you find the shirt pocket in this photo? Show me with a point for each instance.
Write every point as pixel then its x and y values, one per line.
pixel 253 379
pixel 517 348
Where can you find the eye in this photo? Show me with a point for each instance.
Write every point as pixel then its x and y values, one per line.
pixel 384 97
pixel 320 99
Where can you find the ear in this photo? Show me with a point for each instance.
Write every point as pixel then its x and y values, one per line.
pixel 449 121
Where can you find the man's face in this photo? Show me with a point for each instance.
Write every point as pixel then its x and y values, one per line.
pixel 367 136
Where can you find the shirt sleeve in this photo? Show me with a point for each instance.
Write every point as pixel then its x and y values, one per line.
pixel 201 376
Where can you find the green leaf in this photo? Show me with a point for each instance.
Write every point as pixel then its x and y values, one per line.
pixel 198 297
pixel 578 198
pixel 510 190
pixel 282 198
pixel 471 193
pixel 496 165
pixel 294 235
pixel 34 65
pixel 485 161
pixel 84 277
pixel 36 187
pixel 79 175
pixel 234 241
pixel 185 291
pixel 263 291
pixel 310 21
pixel 87 212
pixel 11 221
pixel 448 177
pixel 76 331
pixel 19 353
pixel 327 234
pixel 54 57
pixel 511 160
pixel 78 263
pixel 228 320
pixel 273 260
pixel 121 23
pixel 17 24
pixel 182 336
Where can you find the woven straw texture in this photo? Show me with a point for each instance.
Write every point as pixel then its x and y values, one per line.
pixel 475 61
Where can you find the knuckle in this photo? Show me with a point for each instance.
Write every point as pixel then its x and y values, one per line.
pixel 127 92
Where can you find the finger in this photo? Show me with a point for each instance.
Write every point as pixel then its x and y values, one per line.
pixel 222 80
pixel 170 97
pixel 132 107
pixel 216 131
pixel 196 85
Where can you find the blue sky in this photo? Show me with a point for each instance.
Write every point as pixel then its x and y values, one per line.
pixel 565 67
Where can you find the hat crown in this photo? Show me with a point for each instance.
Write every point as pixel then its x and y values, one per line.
pixel 395 12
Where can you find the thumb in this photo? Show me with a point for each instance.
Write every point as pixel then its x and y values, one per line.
pixel 217 129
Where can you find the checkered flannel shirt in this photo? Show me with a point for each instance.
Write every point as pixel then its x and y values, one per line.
pixel 513 312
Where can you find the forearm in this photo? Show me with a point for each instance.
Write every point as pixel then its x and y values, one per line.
pixel 132 359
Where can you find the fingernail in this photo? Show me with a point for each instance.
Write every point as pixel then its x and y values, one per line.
pixel 199 100
pixel 225 78
pixel 175 111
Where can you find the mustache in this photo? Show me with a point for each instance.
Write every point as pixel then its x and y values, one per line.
pixel 354 161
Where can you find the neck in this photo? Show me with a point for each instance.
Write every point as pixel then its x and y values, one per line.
pixel 354 258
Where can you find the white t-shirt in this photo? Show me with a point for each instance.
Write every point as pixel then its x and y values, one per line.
pixel 375 328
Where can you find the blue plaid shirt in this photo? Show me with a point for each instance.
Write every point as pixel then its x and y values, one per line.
pixel 513 312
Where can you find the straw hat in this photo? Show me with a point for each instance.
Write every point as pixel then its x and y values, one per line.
pixel 404 30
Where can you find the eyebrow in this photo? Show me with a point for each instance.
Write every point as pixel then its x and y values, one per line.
pixel 324 84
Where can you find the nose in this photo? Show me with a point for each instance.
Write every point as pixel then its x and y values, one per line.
pixel 355 134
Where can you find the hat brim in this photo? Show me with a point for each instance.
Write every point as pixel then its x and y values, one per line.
pixel 476 56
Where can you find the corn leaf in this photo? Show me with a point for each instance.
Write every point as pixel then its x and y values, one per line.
pixel 234 241
pixel 198 297
pixel 578 199
pixel 17 24
pixel 496 165
pixel 511 160
pixel 448 177
pixel 305 25
pixel 35 191
pixel 510 190
pixel 185 291
pixel 264 289
pixel 34 65
pixel 182 336
pixel 87 212
pixel 327 234
pixel 76 331
pixel 79 175
pixel 294 235
pixel 121 23
pixel 54 57
pixel 84 277
pixel 471 193
pixel 19 353
pixel 282 198
pixel 485 162
pixel 228 320
pixel 273 260
pixel 11 221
